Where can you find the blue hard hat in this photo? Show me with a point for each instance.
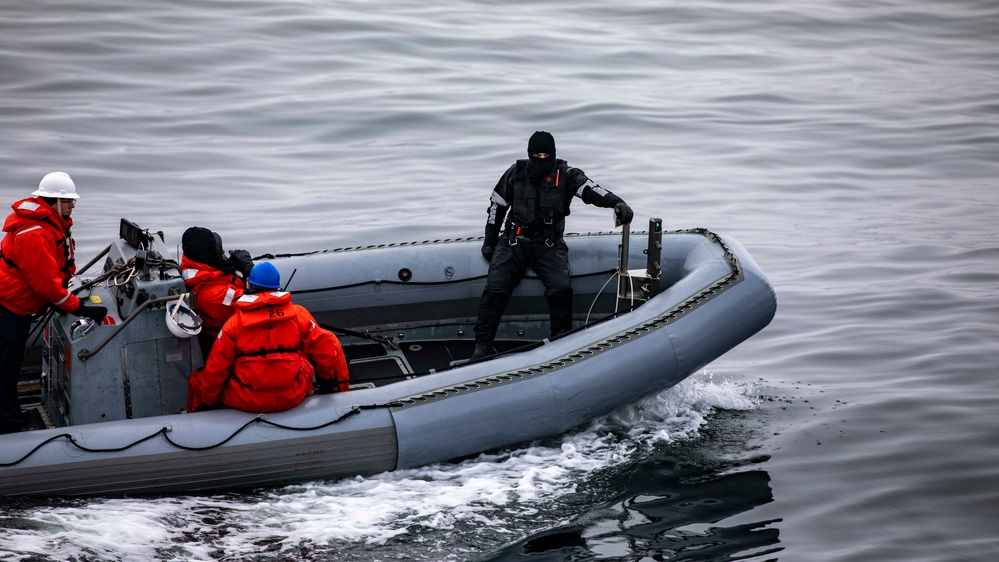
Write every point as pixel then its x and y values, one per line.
pixel 265 275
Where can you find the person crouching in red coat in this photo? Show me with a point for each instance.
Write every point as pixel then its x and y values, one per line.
pixel 214 279
pixel 261 360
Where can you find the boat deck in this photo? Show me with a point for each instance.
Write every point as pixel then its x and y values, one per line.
pixel 376 364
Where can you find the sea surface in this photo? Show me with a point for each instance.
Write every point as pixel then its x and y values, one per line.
pixel 851 146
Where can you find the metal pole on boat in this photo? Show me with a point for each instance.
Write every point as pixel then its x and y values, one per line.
pixel 103 253
pixel 623 279
pixel 624 248
pixel 654 256
pixel 39 324
pixel 85 354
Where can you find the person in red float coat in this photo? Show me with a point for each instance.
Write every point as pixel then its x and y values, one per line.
pixel 36 264
pixel 213 278
pixel 261 361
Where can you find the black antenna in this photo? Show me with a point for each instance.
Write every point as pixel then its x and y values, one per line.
pixel 292 276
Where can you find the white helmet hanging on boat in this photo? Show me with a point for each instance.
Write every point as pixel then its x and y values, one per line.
pixel 57 185
pixel 181 320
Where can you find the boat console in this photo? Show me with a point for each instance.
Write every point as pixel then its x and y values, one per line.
pixel 136 362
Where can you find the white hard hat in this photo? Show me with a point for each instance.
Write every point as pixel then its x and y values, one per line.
pixel 57 185
pixel 181 320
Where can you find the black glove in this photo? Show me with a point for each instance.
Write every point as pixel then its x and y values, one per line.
pixel 242 260
pixel 623 212
pixel 95 313
pixel 487 252
pixel 326 386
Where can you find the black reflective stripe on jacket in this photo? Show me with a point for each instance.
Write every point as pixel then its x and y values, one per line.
pixel 260 353
pixel 265 352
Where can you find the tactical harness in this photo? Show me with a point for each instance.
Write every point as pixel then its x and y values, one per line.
pixel 549 206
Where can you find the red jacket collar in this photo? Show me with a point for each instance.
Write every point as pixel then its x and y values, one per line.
pixel 34 210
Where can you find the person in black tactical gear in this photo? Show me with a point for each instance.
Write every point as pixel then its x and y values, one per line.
pixel 526 221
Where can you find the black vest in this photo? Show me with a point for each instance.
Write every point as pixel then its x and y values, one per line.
pixel 540 208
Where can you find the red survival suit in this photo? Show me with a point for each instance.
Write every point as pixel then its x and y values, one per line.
pixel 260 362
pixel 38 259
pixel 215 293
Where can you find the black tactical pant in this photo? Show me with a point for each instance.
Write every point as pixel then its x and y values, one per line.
pixel 507 268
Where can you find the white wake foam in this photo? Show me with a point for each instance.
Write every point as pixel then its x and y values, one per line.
pixel 499 492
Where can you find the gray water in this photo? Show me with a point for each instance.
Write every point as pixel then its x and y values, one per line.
pixel 851 146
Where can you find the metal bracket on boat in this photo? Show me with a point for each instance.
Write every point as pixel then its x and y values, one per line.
pixel 637 284
pixel 386 340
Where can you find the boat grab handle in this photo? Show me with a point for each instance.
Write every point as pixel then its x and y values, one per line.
pixel 85 354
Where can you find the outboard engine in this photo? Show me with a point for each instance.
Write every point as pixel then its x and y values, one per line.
pixel 136 362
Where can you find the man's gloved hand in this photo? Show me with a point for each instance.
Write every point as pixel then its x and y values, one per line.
pixel 95 313
pixel 487 252
pixel 623 212
pixel 325 386
pixel 242 260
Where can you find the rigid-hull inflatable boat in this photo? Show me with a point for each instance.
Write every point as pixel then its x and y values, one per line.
pixel 108 402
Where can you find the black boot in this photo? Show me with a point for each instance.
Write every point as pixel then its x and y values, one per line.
pixel 560 312
pixel 5 429
pixel 481 351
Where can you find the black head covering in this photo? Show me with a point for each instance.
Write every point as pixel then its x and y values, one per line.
pixel 541 141
pixel 204 246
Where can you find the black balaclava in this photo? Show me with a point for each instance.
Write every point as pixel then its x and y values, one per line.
pixel 204 246
pixel 541 141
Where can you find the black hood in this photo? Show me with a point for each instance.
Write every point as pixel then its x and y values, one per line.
pixel 541 141
pixel 204 246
